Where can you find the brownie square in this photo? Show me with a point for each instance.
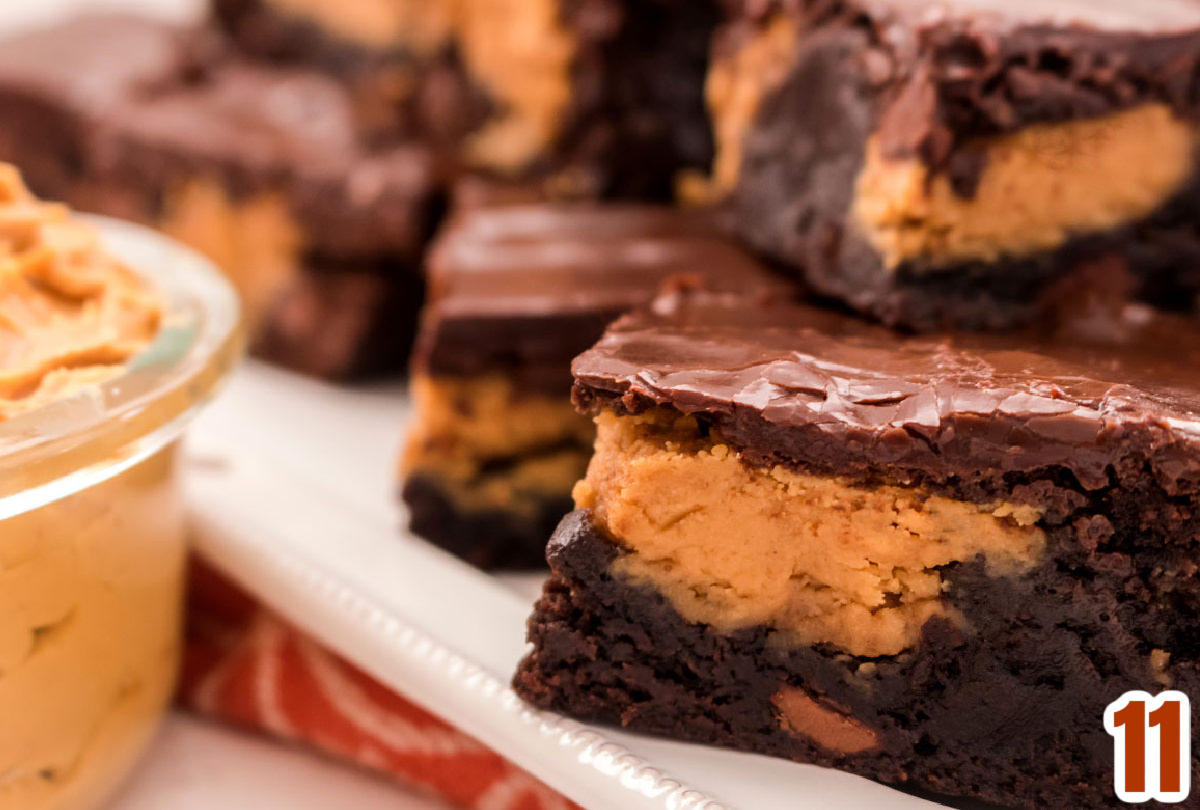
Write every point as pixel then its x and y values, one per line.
pixel 931 561
pixel 264 169
pixel 586 97
pixel 971 163
pixel 397 60
pixel 516 290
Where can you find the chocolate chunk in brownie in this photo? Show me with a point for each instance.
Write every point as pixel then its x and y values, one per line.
pixel 515 292
pixel 965 163
pixel 931 560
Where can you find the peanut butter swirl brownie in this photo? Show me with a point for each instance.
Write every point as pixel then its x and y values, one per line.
pixel 396 57
pixel 593 97
pixel 930 561
pixel 266 169
pixel 516 291
pixel 965 162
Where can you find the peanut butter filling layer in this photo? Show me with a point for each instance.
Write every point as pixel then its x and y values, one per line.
pixel 818 559
pixel 521 54
pixel 70 314
pixel 255 241
pixel 490 446
pixel 1041 186
pixel 419 26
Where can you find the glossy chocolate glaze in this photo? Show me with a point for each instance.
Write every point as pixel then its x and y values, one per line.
pixel 523 289
pixel 789 383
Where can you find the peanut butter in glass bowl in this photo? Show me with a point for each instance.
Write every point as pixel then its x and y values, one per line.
pixel 111 339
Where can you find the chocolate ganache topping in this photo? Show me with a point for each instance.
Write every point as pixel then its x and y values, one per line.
pixel 523 289
pixel 788 383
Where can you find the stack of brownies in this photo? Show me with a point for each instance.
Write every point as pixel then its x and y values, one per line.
pixel 309 147
pixel 921 521
pixel 878 449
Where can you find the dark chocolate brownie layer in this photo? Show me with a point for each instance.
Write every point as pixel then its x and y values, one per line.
pixel 1009 710
pixel 490 539
pixel 342 324
pixel 637 116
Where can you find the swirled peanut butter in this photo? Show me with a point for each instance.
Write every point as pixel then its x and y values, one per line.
pixel 70 314
pixel 90 584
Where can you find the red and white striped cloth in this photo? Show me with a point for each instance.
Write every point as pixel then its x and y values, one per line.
pixel 245 665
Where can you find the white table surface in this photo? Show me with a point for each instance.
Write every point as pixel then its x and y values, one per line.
pixel 195 765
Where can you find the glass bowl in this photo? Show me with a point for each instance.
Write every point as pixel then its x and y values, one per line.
pixel 92 544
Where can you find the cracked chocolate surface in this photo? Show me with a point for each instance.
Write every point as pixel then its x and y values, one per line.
pixel 793 382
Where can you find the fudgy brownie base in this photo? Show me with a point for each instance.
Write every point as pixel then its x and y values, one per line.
pixel 637 125
pixel 1010 713
pixel 1090 274
pixel 492 539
